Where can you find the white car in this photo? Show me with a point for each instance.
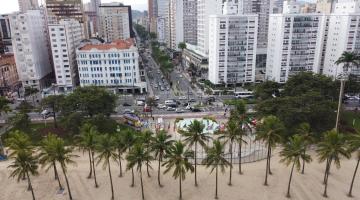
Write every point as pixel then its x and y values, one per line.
pixel 181 76
pixel 140 103
pixel 156 98
pixel 182 98
pixel 161 106
pixel 188 107
pixel 170 109
pixel 179 111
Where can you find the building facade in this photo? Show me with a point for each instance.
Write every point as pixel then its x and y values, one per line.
pixel 115 22
pixel 232 46
pixel 163 21
pixel 343 35
pixel 325 6
pixel 31 47
pixel 176 23
pixel 9 78
pixel 296 44
pixel 190 21
pixel 25 5
pixel 153 14
pixel 5 35
pixel 114 65
pixel 65 37
pixel 64 9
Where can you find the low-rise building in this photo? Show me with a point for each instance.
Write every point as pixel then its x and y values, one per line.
pixel 114 65
pixel 9 78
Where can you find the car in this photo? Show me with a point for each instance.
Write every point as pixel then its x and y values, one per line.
pixel 182 98
pixel 170 109
pixel 181 76
pixel 179 110
pixel 211 99
pixel 128 111
pixel 156 98
pixel 161 106
pixel 186 104
pixel 140 103
pixel 156 86
pixel 162 88
pixel 147 109
pixel 188 107
pixel 167 88
pixel 196 110
pixel 192 100
pixel 126 104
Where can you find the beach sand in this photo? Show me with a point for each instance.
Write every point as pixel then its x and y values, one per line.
pixel 248 186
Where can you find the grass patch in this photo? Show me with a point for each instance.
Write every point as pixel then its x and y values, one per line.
pixel 350 119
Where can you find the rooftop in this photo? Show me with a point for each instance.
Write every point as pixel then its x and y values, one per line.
pixel 116 44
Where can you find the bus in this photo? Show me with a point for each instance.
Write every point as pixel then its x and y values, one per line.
pixel 244 95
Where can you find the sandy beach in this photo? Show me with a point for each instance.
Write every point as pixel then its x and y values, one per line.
pixel 248 186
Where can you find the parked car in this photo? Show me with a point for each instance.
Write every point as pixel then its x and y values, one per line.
pixel 161 106
pixel 170 109
pixel 196 110
pixel 140 103
pixel 126 104
pixel 179 110
pixel 192 100
pixel 162 88
pixel 182 98
pixel 147 109
pixel 128 111
pixel 167 88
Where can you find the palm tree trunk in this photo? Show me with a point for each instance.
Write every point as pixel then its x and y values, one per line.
pixel 147 169
pixel 195 153
pixel 231 156
pixel 291 174
pixel 31 188
pixel 67 181
pixel 327 178
pixel 353 178
pixel 159 170
pixel 132 179
pixel 303 166
pixel 326 168
pixel 54 115
pixel 216 183
pixel 267 166
pixel 111 183
pixel 240 148
pixel 142 186
pixel 93 165
pixel 29 184
pixel 180 186
pixel 119 154
pixel 90 162
pixel 270 173
pixel 57 176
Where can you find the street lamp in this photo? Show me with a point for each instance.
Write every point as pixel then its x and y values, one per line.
pixel 342 77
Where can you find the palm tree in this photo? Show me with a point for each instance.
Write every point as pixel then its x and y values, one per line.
pixel 146 138
pixel 194 134
pixel 308 138
pixel 232 134
pixel 65 157
pixel 160 145
pixel 88 135
pixel 354 142
pixel 47 156
pixel 269 131
pixel 120 146
pixel 129 139
pixel 240 116
pixel 138 156
pixel 348 59
pixel 178 158
pixel 18 141
pixel 293 153
pixel 215 159
pixel 182 46
pixel 331 148
pixel 24 164
pixel 107 151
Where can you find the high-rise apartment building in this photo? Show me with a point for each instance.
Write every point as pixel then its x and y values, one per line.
pixel 115 21
pixel 176 19
pixel 232 45
pixel 343 35
pixel 25 5
pixel 9 78
pixel 64 9
pixel 5 35
pixel 114 65
pixel 190 21
pixel 31 47
pixel 325 6
pixel 65 38
pixel 153 14
pixel 163 21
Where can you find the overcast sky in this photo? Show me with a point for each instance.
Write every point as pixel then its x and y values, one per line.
pixel 9 6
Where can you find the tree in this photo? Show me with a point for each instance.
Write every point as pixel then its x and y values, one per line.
pixel 20 121
pixel 24 164
pixel 4 105
pixel 240 116
pixel 330 149
pixel 293 153
pixel 231 135
pixel 160 145
pixel 47 155
pixel 88 136
pixel 215 159
pixel 354 142
pixel 152 35
pixel 129 139
pixel 55 103
pixel 178 158
pixel 65 157
pixel 308 139
pixel 18 141
pixel 267 90
pixel 146 138
pixel 138 156
pixel 120 146
pixel 269 131
pixel 194 135
pixel 30 91
pixel 106 149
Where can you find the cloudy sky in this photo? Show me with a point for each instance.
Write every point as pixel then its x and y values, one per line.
pixel 9 6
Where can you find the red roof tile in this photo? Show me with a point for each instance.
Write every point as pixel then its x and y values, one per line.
pixel 117 44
